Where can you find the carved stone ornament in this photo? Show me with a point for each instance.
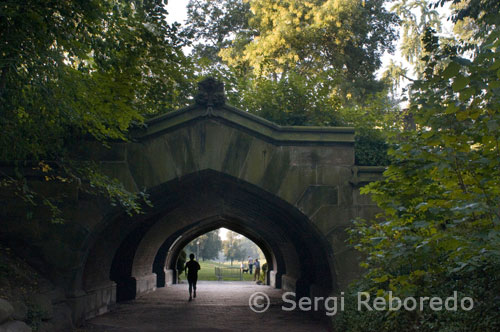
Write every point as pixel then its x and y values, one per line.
pixel 210 93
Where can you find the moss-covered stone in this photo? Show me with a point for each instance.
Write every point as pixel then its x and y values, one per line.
pixel 260 154
pixel 236 153
pixel 295 183
pixel 276 169
pixel 328 217
pixel 316 196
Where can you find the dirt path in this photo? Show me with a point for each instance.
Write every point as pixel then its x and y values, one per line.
pixel 220 306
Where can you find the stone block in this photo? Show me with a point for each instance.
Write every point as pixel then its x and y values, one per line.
pixel 20 310
pixel 121 172
pixel 6 310
pixel 260 154
pixel 77 305
pixel 43 303
pixel 277 167
pixel 295 183
pixel 347 267
pixel 145 284
pixel 288 283
pixel 345 195
pixel 62 320
pixel 315 197
pixel 180 149
pixel 169 277
pixel 367 212
pixel 335 155
pixel 333 175
pixel 236 153
pixel 151 163
pixel 93 150
pixel 359 199
pixel 46 327
pixel 15 326
pixel 210 141
pixel 338 239
pixel 272 278
pixel 329 217
pixel 57 295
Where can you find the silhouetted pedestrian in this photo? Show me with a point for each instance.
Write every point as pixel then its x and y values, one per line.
pixel 257 270
pixel 250 264
pixel 192 268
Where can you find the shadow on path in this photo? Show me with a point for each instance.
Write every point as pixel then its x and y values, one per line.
pixel 219 306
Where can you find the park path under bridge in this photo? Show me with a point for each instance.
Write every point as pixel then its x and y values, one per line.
pixel 219 306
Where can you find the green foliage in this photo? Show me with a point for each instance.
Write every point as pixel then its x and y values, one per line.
pixel 371 148
pixel 95 182
pixel 210 245
pixel 231 247
pixel 77 69
pixel 249 248
pixel 212 26
pixel 342 39
pixel 34 316
pixel 440 227
pixel 416 16
pixel 296 63
pixel 294 100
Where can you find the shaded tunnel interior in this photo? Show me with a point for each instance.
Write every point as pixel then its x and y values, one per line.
pixel 139 253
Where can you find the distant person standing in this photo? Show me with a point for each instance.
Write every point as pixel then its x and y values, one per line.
pixel 250 264
pixel 192 268
pixel 256 276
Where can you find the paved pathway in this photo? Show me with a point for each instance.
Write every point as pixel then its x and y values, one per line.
pixel 220 306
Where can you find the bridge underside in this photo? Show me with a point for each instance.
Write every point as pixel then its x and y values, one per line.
pixel 292 190
pixel 135 255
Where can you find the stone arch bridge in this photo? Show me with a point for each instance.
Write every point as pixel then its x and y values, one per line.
pixel 292 190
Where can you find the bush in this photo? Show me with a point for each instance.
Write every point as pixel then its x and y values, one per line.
pixel 482 285
pixel 370 148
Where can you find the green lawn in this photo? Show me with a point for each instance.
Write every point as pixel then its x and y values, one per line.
pixel 207 271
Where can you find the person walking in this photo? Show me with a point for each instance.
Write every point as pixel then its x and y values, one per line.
pixel 192 268
pixel 256 276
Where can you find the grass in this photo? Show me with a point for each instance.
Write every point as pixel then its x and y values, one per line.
pixel 207 271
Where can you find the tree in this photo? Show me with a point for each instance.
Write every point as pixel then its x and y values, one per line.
pixel 214 25
pixel 209 245
pixel 294 100
pixel 342 39
pixel 249 248
pixel 298 63
pixel 232 247
pixel 70 70
pixel 440 196
pixel 416 16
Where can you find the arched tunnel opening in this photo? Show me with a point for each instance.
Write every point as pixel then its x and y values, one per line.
pixel 140 253
pixel 167 259
pixel 222 253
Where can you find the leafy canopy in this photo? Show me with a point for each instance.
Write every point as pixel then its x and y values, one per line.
pixel 70 70
pixel 440 227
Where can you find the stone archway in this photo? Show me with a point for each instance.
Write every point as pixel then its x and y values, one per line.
pixel 300 256
pixel 293 190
